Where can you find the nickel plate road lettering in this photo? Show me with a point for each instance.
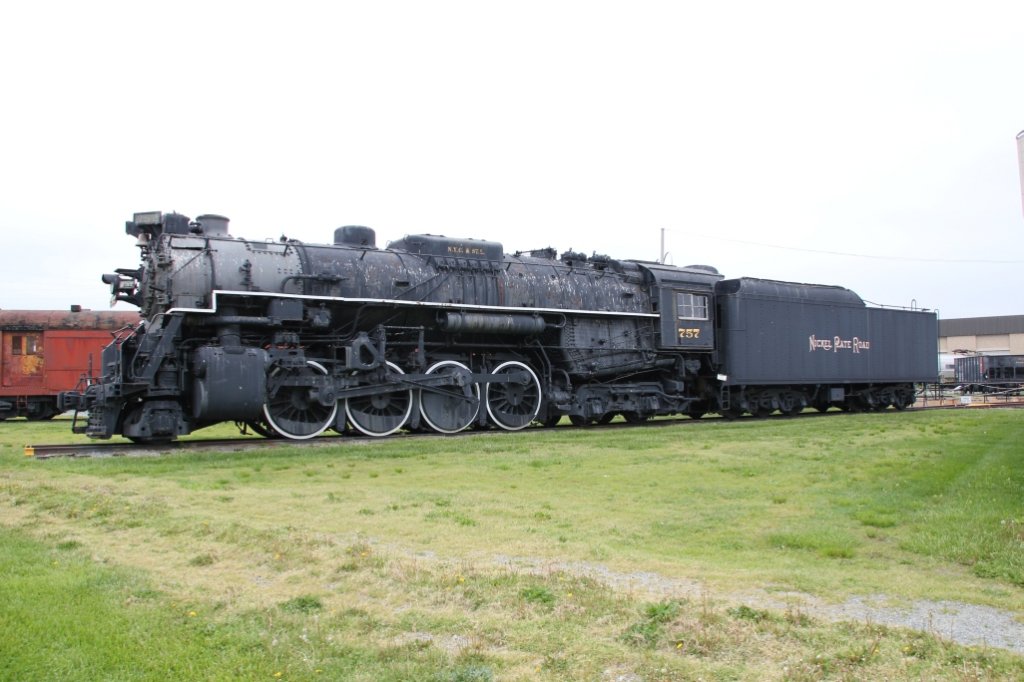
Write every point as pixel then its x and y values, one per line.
pixel 838 343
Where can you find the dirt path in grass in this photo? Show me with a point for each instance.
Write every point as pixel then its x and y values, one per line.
pixel 959 622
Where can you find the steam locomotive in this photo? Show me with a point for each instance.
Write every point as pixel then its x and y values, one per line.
pixel 433 333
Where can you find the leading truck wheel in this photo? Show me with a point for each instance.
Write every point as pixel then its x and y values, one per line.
pixel 261 428
pixel 512 405
pixel 383 413
pixel 290 410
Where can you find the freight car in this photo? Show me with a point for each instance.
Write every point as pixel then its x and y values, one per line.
pixel 990 373
pixel 44 352
pixel 446 334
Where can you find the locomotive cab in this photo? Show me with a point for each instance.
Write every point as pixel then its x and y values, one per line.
pixel 685 300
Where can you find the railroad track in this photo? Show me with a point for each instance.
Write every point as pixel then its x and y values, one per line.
pixel 92 449
pixel 97 450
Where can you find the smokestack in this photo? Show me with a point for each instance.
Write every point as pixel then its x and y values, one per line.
pixel 1020 163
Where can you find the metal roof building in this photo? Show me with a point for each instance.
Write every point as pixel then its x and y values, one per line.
pixel 1003 335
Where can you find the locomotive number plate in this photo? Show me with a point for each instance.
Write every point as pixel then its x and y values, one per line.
pixel 689 332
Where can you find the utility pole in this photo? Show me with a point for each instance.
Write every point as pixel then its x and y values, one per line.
pixel 1020 162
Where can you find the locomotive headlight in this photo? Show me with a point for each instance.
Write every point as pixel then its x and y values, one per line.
pixel 122 288
pixel 119 283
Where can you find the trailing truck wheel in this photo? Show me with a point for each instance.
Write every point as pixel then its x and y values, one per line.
pixel 290 410
pixel 383 413
pixel 449 409
pixel 513 405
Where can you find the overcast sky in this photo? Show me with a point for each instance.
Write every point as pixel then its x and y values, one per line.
pixel 867 144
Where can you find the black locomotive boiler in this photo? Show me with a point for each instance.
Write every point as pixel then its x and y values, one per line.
pixel 446 334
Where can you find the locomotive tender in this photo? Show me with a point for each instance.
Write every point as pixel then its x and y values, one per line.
pixel 445 334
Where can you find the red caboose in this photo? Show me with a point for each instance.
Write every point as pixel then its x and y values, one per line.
pixel 43 352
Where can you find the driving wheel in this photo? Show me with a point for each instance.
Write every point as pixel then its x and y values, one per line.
pixel 381 414
pixel 291 409
pixel 449 409
pixel 512 405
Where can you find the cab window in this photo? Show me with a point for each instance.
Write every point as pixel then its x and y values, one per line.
pixel 691 306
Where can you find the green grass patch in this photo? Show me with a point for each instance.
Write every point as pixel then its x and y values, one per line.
pixel 826 542
pixel 514 556
pixel 64 617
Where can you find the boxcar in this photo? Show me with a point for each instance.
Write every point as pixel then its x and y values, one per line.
pixel 43 352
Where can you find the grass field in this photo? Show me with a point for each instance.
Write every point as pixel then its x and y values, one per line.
pixel 628 554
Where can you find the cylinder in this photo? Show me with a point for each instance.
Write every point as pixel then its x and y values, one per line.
pixel 492 323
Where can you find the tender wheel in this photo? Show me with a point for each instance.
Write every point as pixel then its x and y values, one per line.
pixel 854 404
pixel 290 410
pixel 512 406
pixel 790 405
pixel 634 417
pixel 449 409
pixel 606 418
pixel 899 400
pixel 383 413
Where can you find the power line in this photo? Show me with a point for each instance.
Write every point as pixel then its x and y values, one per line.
pixel 963 261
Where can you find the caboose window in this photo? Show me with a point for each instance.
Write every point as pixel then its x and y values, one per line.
pixel 25 344
pixel 691 306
